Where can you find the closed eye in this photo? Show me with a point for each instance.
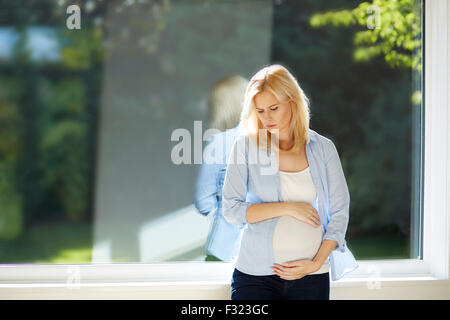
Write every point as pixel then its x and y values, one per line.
pixel 261 110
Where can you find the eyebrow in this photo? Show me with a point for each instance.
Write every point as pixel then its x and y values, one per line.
pixel 268 106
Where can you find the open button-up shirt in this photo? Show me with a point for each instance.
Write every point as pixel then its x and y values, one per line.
pixel 251 179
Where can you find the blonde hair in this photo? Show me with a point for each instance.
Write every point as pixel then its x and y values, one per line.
pixel 226 101
pixel 283 85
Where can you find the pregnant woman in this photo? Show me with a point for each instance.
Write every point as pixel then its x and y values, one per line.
pixel 294 217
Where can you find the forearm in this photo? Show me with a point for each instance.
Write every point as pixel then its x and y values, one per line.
pixel 325 250
pixel 262 211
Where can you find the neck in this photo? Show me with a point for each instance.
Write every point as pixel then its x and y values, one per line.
pixel 285 140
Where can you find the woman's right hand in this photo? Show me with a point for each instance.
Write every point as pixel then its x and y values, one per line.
pixel 304 212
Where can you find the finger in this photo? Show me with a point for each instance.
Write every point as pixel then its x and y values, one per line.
pixel 281 266
pixel 316 216
pixel 276 266
pixel 288 264
pixel 313 222
pixel 293 277
pixel 314 212
pixel 282 273
pixel 285 269
pixel 279 271
pixel 313 215
pixel 276 270
pixel 316 220
pixel 289 272
pixel 282 276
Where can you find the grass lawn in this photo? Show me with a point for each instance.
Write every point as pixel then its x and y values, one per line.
pixel 57 242
pixel 66 243
pixel 379 247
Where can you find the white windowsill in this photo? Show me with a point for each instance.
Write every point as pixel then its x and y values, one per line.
pixel 194 281
pixel 374 280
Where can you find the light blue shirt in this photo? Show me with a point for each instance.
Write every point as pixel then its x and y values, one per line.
pixel 223 238
pixel 252 178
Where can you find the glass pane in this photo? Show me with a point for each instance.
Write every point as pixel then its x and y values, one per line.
pixel 96 98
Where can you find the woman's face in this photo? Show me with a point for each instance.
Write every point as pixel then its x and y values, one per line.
pixel 272 113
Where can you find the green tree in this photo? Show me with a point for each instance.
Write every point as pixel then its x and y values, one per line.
pixel 392 29
pixel 11 216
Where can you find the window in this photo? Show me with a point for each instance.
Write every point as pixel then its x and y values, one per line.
pixel 88 112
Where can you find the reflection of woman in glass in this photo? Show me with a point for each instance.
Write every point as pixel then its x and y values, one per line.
pixel 296 217
pixel 225 106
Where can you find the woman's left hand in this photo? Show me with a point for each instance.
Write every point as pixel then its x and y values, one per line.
pixel 294 270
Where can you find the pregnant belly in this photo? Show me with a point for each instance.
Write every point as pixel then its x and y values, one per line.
pixel 295 240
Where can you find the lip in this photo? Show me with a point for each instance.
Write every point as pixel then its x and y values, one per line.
pixel 271 126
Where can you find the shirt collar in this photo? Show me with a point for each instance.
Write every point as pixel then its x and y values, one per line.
pixel 312 136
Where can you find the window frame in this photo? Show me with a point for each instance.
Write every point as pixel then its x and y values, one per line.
pixel 211 277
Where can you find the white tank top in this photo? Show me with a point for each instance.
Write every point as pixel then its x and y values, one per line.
pixel 294 239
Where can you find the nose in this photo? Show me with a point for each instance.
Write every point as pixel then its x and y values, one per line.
pixel 267 117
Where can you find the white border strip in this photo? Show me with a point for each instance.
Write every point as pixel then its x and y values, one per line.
pixel 390 274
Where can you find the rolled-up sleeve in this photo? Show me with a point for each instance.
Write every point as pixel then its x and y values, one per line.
pixel 234 191
pixel 339 197
pixel 205 198
pixel 205 194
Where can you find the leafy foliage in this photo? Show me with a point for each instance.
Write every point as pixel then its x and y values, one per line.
pixel 391 29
